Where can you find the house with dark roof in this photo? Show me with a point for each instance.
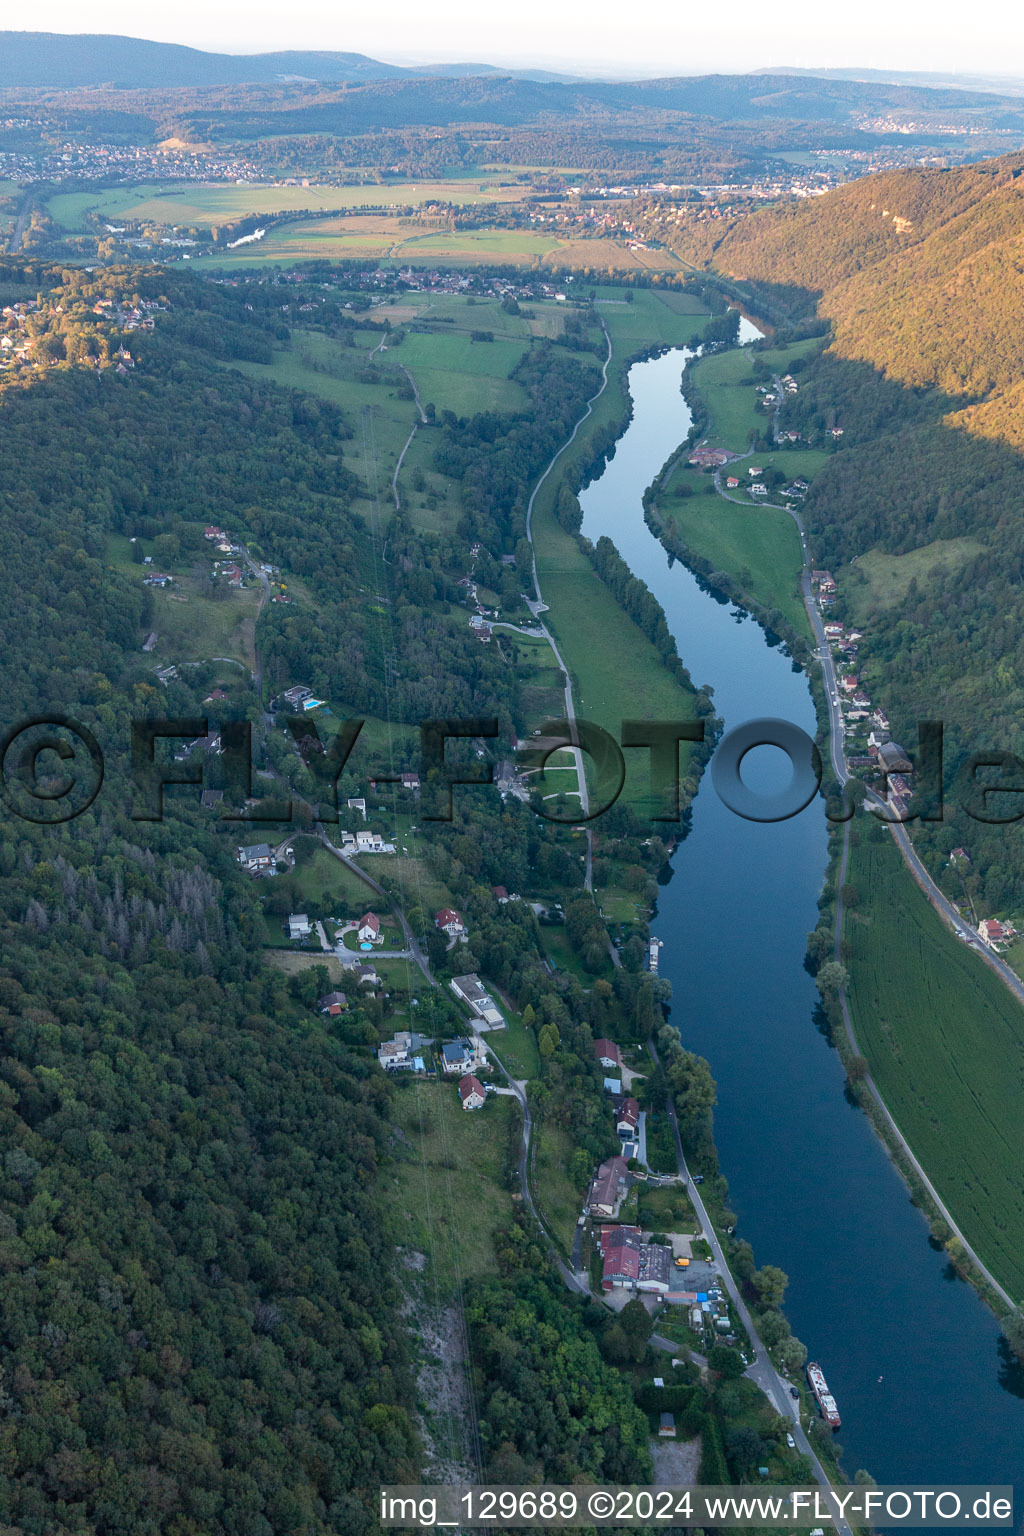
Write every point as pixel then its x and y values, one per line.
pixel 457 1055
pixel 332 1003
pixel 608 1187
pixel 893 758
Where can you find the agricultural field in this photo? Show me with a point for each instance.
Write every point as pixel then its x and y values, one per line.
pixel 341 239
pixel 443 1189
pixel 607 255
pixel 759 547
pixel 462 375
pixel 648 317
pixel 206 206
pixel 945 1042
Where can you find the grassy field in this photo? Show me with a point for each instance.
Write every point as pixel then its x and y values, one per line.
pixel 463 375
pixel 759 547
pixel 945 1041
pixel 667 1209
pixel 326 885
pixel 559 1200
pixel 318 364
pixel 515 1047
pixel 206 206
pixel 444 1194
pixel 781 359
pixel 617 671
pixel 881 581
pixel 726 385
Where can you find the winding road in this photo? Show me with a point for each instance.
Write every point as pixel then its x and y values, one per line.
pixel 761 1370
pixel 539 606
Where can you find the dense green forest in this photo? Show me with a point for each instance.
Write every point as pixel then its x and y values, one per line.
pixel 917 275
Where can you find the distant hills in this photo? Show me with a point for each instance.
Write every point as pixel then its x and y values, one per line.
pixel 73 61
pixel 998 85
pixel 466 92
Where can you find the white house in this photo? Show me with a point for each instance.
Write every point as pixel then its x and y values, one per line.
pixel 369 842
pixel 299 925
pixel 368 931
pixel 471 1092
pixel 394 1053
pixel 449 922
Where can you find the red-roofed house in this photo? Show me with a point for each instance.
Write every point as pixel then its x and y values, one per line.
pixel 449 922
pixel 471 1092
pixel 608 1053
pixel 369 928
pixel 628 1117
pixel 620 1247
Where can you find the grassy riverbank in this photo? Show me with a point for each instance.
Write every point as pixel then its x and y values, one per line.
pixel 945 1043
pixel 617 673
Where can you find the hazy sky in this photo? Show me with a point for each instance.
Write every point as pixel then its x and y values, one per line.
pixel 655 36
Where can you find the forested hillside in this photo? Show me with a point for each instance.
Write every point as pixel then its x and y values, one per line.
pixel 917 275
pixel 196 1324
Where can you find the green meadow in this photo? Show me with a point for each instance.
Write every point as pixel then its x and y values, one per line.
pixel 758 546
pixel 945 1041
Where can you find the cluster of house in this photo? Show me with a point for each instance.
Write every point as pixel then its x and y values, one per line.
pixel 627 1262
pixel 400 1053
pixel 883 752
pixel 610 1181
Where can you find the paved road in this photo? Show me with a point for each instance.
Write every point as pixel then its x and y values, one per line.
pixel 398 466
pixel 412 949
pixel 760 1370
pixel 22 220
pixel 539 606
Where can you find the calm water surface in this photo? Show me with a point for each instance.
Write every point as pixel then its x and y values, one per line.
pixel 924 1385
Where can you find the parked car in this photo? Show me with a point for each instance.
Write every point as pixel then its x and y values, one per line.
pixel 791 1442
pixel 795 1392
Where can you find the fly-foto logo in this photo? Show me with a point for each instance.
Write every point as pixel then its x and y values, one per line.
pixel 52 769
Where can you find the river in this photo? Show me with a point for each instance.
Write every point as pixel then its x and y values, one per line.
pixel 916 1361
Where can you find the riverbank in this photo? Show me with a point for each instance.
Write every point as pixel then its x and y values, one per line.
pixel 811 1185
pixel 922 1077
